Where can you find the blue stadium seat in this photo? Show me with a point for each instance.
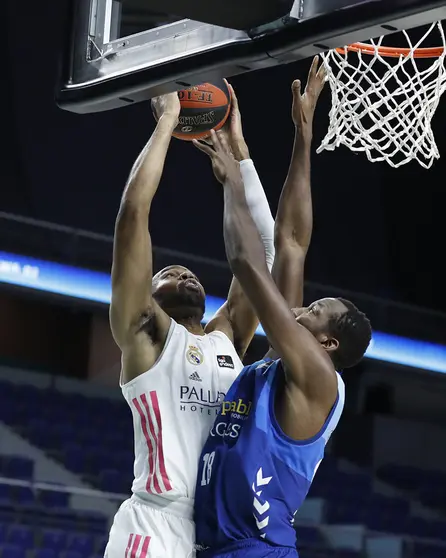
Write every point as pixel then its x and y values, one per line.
pixel 54 499
pixel 418 527
pixel 25 497
pixel 74 458
pixel 437 530
pixel 73 554
pixel 45 553
pixel 403 477
pixel 4 527
pixel 17 467
pixel 21 535
pixel 84 544
pixel 55 539
pixel 9 411
pixel 426 550
pixel 6 496
pixel 110 480
pixel 432 494
pixel 12 551
pixel 310 537
pixel 94 522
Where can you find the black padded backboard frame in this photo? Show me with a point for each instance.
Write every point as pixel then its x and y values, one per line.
pixel 102 72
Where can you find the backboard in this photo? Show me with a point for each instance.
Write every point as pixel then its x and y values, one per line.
pixel 126 51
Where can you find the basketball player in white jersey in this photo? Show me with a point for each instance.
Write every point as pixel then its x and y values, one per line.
pixel 174 373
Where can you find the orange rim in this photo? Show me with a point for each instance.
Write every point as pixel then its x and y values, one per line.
pixel 390 52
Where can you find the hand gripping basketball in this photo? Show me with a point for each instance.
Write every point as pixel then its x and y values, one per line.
pixel 168 105
pixel 223 163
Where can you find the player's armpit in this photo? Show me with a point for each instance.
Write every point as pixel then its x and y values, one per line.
pixel 236 318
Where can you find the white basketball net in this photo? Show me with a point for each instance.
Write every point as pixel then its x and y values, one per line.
pixel 384 106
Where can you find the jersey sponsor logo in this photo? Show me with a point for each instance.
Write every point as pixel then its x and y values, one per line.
pixel 195 376
pixel 225 430
pixel 236 408
pixel 203 401
pixel 225 361
pixel 194 355
pixel 238 411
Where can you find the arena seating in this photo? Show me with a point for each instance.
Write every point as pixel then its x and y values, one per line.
pixel 351 501
pixel 42 521
pixel 81 432
pixel 429 489
pixel 78 431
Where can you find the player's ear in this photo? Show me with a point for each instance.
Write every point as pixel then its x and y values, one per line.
pixel 329 343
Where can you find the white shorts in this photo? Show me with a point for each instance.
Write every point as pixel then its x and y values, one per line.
pixel 141 531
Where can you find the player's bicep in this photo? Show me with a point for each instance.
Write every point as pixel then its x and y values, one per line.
pixel 220 322
pixel 236 318
pixel 288 271
pixel 131 272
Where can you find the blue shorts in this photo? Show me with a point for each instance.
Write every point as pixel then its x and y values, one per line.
pixel 250 548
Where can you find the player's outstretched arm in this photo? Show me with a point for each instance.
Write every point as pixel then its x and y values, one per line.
pixel 294 219
pixel 131 301
pixel 236 318
pixel 307 365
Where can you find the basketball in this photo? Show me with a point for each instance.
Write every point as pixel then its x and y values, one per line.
pixel 204 108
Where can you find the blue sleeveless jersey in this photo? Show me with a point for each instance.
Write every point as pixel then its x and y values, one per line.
pixel 252 478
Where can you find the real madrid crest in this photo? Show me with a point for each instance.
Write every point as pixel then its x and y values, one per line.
pixel 194 355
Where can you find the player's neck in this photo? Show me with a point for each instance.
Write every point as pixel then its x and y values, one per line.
pixel 192 325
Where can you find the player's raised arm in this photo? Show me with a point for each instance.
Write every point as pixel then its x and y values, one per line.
pixel 294 219
pixel 131 302
pixel 307 365
pixel 236 318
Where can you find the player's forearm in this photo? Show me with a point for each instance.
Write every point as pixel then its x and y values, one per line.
pixel 146 173
pixel 259 207
pixel 244 248
pixel 294 219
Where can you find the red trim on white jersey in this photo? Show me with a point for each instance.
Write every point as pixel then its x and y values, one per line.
pixel 151 425
pixel 162 466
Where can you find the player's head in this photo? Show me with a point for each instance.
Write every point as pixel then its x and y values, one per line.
pixel 342 330
pixel 179 293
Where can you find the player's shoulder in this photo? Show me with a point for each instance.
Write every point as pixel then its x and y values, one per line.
pixel 260 367
pixel 266 363
pixel 219 335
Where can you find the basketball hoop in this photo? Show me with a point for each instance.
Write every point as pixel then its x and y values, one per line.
pixel 384 99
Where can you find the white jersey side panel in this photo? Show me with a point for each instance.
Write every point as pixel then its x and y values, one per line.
pixel 174 405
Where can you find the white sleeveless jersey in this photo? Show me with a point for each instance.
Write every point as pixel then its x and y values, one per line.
pixel 174 405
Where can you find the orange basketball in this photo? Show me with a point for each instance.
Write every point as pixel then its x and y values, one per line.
pixel 204 108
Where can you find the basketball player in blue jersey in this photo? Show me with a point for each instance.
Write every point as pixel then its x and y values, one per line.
pixel 269 438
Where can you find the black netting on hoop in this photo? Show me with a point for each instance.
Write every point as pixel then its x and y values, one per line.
pixel 384 106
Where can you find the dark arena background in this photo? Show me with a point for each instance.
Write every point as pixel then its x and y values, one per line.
pixel 66 442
